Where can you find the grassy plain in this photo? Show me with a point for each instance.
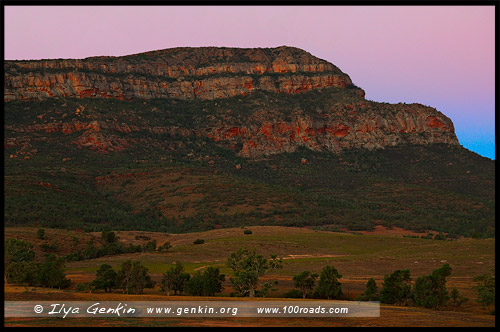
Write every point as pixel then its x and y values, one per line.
pixel 357 256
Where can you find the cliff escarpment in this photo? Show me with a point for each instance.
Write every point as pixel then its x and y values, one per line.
pixel 184 73
pixel 258 101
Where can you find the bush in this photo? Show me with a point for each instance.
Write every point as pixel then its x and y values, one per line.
pixel 18 251
pixel 440 236
pixel 83 287
pixel 165 247
pixel 456 298
pixel 199 241
pixel 293 294
pixel 486 291
pixel 40 234
pixel 52 247
pixel 150 246
pixel 247 231
pixel 109 237
pixel 22 273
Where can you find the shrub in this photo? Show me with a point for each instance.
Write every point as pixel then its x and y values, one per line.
pixel 199 241
pixel 293 294
pixel 40 234
pixel 456 298
pixel 109 237
pixel 247 231
pixel 52 247
pixel 150 246
pixel 164 247
pixel 18 251
pixel 486 291
pixel 440 236
pixel 83 287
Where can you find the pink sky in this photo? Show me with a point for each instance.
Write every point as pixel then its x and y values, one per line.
pixel 442 56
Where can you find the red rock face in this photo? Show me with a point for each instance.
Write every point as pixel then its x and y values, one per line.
pixel 338 130
pixel 434 122
pixel 197 73
pixel 214 73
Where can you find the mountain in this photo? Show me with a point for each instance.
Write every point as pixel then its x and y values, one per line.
pixel 266 136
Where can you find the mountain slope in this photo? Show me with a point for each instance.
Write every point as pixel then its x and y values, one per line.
pixel 196 138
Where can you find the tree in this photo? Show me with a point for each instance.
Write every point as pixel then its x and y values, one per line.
pixel 90 250
pixel 164 247
pixel 195 285
pixel 213 280
pixel 371 290
pixel 396 287
pixel 123 276
pixel 139 279
pixel 105 278
pixel 440 236
pixel 40 233
pixel 328 284
pixel 486 290
pixel 22 273
pixel 150 246
pixel 430 291
pixel 370 293
pixel 206 284
pixel 305 282
pixel 109 237
pixel 51 273
pixel 293 293
pixel 174 279
pixel 248 266
pixel 18 251
pixel 133 278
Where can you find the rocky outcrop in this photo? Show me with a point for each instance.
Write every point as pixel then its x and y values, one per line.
pixel 345 120
pixel 362 126
pixel 185 73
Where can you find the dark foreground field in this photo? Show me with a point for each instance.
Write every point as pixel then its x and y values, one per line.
pixel 358 257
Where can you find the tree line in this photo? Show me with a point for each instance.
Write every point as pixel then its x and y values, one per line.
pixel 248 267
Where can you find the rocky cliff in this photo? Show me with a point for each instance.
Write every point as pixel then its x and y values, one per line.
pixel 332 114
pixel 182 73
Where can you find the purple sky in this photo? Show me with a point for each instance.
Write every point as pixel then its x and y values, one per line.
pixel 441 56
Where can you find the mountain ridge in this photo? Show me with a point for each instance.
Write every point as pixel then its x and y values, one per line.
pixel 345 120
